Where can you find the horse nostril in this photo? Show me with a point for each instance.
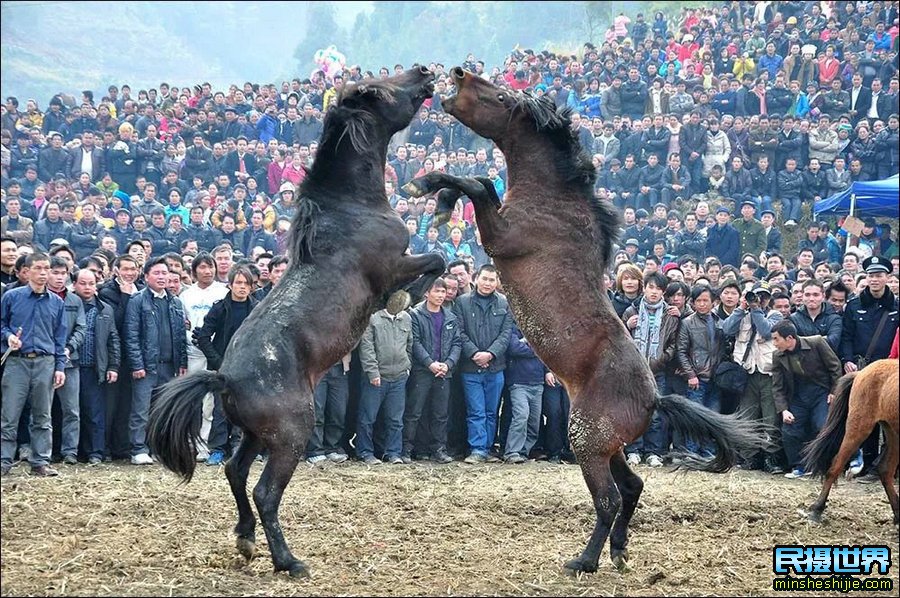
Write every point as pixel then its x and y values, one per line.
pixel 457 73
pixel 424 70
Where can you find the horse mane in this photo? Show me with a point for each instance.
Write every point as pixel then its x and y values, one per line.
pixel 303 231
pixel 574 164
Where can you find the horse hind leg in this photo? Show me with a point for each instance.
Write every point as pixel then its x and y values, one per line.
pixel 630 487
pixel 887 466
pixel 236 470
pixel 596 471
pixel 857 429
pixel 283 460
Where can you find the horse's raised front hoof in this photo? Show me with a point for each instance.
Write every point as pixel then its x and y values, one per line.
pixel 415 188
pixel 247 547
pixel 619 558
pixel 576 566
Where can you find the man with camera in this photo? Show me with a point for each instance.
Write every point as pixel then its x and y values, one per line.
pixel 750 325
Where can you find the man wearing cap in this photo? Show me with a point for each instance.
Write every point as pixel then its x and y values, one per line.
pixel 870 323
pixel 772 233
pixel 753 237
pixel 723 240
pixel 750 325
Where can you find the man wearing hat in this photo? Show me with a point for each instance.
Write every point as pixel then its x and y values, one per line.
pixel 750 326
pixel 753 235
pixel 631 249
pixel 771 233
pixel 870 323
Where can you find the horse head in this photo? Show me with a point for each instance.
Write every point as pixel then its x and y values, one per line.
pixel 499 113
pixel 373 110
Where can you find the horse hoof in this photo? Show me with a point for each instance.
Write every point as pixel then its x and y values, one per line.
pixel 576 566
pixel 413 189
pixel 619 558
pixel 247 547
pixel 299 570
pixel 815 516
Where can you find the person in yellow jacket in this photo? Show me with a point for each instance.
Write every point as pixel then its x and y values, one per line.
pixel 743 65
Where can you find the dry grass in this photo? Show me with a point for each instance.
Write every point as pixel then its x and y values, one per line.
pixel 412 530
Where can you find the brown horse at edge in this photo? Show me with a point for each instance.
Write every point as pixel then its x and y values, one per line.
pixel 861 400
pixel 551 241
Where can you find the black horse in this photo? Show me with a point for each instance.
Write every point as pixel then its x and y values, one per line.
pixel 347 257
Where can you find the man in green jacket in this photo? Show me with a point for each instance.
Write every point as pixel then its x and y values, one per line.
pixel 753 234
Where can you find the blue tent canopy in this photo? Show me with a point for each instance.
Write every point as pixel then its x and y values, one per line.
pixel 873 198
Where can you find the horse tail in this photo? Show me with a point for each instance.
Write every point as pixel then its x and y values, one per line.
pixel 733 436
pixel 175 418
pixel 819 452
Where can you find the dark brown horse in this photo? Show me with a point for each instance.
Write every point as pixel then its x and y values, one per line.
pixel 861 401
pixel 551 241
pixel 347 256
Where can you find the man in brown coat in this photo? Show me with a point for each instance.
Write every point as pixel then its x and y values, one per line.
pixel 805 369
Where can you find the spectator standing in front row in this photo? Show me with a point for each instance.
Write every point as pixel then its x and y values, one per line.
pixel 33 325
pixel 101 354
pixel 384 351
pixel 156 347
pixel 486 325
pixel 436 348
pixel 525 377
pixel 218 327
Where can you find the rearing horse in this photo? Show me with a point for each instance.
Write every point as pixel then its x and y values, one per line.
pixel 551 241
pixel 346 256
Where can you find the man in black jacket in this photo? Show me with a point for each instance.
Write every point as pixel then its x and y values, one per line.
pixel 101 356
pixel 53 159
pixel 435 352
pixel 116 293
pixel 485 324
pixel 219 326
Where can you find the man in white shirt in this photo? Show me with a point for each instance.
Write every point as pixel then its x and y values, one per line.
pixel 198 299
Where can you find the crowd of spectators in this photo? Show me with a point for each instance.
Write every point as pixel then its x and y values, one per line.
pixel 713 132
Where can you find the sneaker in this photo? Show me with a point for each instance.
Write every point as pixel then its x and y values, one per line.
pixel 796 474
pixel 397 460
pixel 95 461
pixel 202 455
pixel 475 459
pixel 142 459
pixel 336 457
pixel 372 460
pixel 5 469
pixel 442 457
pixel 406 459
pixel 316 459
pixel 654 461
pixel 771 466
pixel 856 465
pixel 633 459
pixel 70 460
pixel 44 471
pixel 216 458
pixel 514 459
pixel 493 458
pixel 790 223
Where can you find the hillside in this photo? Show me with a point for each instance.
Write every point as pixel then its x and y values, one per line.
pixel 48 47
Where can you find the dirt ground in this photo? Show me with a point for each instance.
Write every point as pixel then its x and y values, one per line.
pixel 413 530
